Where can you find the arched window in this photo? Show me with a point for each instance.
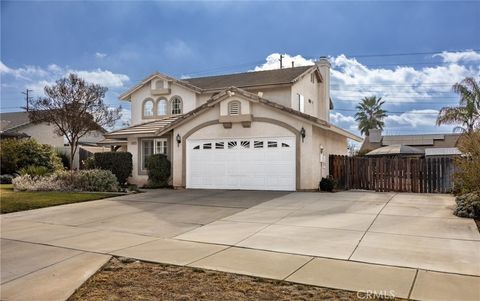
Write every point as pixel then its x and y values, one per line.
pixel 147 108
pixel 234 108
pixel 162 107
pixel 176 105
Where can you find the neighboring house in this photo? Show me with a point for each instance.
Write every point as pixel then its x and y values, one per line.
pixel 265 130
pixel 428 144
pixel 18 125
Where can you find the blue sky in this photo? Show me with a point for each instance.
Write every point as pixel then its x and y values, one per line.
pixel 119 43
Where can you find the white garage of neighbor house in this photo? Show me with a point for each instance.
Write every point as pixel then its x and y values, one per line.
pixel 264 130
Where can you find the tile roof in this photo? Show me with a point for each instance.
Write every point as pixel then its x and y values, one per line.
pixel 147 128
pixel 248 79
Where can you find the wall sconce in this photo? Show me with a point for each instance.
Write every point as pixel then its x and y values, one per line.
pixel 302 133
pixel 179 139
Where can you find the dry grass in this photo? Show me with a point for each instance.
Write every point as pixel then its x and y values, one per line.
pixel 134 280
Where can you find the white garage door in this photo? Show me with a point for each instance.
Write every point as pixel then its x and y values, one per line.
pixel 238 163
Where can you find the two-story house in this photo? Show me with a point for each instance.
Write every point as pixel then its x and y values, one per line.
pixel 265 130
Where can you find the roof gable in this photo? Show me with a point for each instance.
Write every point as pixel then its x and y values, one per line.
pixel 157 75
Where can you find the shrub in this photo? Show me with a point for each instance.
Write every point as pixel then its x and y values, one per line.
pixel 6 179
pixel 34 170
pixel 468 205
pixel 94 180
pixel 35 183
pixel 83 180
pixel 328 184
pixel 119 163
pixel 158 167
pixel 467 175
pixel 16 154
pixel 89 163
pixel 65 158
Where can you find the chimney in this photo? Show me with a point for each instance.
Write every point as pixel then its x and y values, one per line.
pixel 375 135
pixel 293 64
pixel 324 65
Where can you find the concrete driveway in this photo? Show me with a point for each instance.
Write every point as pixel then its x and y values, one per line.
pixel 410 244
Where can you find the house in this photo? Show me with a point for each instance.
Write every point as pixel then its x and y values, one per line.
pixel 438 145
pixel 265 130
pixel 18 125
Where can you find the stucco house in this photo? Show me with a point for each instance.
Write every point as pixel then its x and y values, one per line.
pixel 265 130
pixel 18 125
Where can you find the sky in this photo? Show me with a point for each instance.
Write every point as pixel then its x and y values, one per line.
pixel 409 53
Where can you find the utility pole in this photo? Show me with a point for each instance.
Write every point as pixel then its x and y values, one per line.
pixel 281 61
pixel 27 98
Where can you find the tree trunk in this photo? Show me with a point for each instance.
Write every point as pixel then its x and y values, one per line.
pixel 71 156
pixel 73 150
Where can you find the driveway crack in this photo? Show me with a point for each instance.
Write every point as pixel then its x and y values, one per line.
pixel 371 224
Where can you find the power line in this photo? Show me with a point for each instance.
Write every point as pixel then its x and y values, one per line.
pixel 395 112
pixel 408 53
pixel 402 97
pixel 398 102
pixel 385 91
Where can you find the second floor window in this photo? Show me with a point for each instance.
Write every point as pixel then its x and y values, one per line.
pixel 301 103
pixel 162 107
pixel 176 105
pixel 148 108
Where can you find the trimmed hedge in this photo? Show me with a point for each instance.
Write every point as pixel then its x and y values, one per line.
pixel 119 163
pixel 158 167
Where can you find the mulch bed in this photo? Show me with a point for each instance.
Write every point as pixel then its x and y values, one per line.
pixel 127 279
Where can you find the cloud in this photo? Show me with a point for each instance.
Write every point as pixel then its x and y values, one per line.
pixel 23 73
pixel 273 62
pixel 456 57
pixel 413 118
pixel 418 92
pixel 102 77
pixel 351 80
pixel 36 77
pixel 343 121
pixel 100 55
pixel 178 49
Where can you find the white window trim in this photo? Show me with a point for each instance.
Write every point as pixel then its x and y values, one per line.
pixel 155 151
pixel 301 103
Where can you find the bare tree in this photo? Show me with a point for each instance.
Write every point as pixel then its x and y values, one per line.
pixel 75 107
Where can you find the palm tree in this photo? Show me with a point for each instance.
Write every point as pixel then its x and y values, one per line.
pixel 468 112
pixel 370 114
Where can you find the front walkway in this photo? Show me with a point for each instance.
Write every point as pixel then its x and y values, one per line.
pixel 407 245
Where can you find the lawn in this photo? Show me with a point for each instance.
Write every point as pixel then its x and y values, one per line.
pixel 12 201
pixel 127 279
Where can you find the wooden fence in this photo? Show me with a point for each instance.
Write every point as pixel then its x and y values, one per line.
pixel 393 173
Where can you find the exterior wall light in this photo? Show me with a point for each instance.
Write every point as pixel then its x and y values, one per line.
pixel 179 139
pixel 302 133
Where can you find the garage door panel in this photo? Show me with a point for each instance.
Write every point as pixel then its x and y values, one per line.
pixel 241 165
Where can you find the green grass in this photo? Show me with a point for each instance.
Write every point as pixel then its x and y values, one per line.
pixel 13 201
